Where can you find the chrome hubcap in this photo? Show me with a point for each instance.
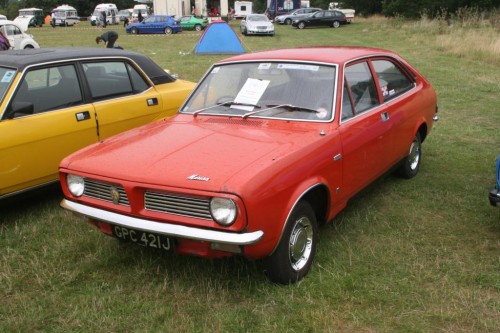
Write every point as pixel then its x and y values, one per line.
pixel 301 243
pixel 414 156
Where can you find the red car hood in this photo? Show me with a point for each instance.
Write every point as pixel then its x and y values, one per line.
pixel 206 153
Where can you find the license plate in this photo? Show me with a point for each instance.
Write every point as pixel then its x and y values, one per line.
pixel 142 238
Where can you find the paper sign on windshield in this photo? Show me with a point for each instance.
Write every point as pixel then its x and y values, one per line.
pixel 250 93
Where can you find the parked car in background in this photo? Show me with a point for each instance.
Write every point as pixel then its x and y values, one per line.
pixel 107 8
pixel 125 13
pixel 192 22
pixel 34 16
pixel 257 24
pixel 156 24
pixel 325 18
pixel 267 147
pixel 18 39
pixel 295 14
pixel 495 192
pixel 66 16
pixel 52 98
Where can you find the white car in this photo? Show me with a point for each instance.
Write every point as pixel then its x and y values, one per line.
pixel 18 39
pixel 257 24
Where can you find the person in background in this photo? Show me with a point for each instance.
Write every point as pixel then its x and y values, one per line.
pixel 139 17
pixel 104 22
pixel 109 38
pixel 53 19
pixel 4 42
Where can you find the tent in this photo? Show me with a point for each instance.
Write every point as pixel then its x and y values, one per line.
pixel 218 38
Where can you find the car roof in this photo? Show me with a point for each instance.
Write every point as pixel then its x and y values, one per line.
pixel 20 59
pixel 326 54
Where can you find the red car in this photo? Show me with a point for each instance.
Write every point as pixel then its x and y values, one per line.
pixel 267 147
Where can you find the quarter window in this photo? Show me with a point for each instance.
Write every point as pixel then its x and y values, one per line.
pixel 392 80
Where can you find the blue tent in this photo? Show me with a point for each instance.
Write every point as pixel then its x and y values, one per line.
pixel 218 38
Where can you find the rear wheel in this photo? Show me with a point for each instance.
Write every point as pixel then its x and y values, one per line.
pixel 301 25
pixel 293 257
pixel 197 27
pixel 336 24
pixel 411 163
pixel 168 31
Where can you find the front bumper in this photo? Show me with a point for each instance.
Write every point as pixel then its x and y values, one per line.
pixel 495 197
pixel 167 229
pixel 258 32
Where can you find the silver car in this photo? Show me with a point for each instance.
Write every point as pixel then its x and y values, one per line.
pixel 295 14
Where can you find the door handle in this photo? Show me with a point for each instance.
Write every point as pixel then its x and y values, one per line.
pixel 384 116
pixel 152 101
pixel 80 116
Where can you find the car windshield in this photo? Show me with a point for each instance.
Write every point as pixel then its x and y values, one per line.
pixel 277 90
pixel 257 18
pixel 6 77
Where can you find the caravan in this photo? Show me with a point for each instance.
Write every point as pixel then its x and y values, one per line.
pixel 143 9
pixel 66 15
pixel 34 16
pixel 111 13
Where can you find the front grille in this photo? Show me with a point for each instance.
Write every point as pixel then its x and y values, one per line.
pixel 104 191
pixel 196 207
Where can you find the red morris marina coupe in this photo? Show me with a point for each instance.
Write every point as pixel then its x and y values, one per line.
pixel 268 146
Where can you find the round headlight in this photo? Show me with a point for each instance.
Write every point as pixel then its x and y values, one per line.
pixel 76 184
pixel 223 211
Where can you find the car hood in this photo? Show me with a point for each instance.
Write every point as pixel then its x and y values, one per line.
pixel 259 24
pixel 208 153
pixel 23 22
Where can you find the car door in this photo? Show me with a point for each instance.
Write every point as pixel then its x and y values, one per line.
pixel 122 98
pixel 187 22
pixel 365 129
pixel 316 19
pixel 53 121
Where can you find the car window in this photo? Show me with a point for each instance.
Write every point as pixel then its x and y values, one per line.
pixel 12 30
pixel 347 110
pixel 48 89
pixel 6 77
pixel 392 80
pixel 112 79
pixel 362 86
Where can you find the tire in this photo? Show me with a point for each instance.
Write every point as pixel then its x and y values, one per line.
pixel 293 257
pixel 197 27
pixel 134 31
pixel 411 163
pixel 336 24
pixel 29 46
pixel 301 25
pixel 168 31
pixel 288 21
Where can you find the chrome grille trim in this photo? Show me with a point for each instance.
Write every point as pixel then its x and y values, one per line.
pixel 102 191
pixel 195 207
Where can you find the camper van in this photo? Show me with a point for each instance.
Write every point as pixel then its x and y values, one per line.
pixel 66 15
pixel 144 9
pixel 111 13
pixel 33 15
pixel 242 9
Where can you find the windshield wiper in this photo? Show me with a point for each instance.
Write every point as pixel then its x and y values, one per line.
pixel 229 103
pixel 288 107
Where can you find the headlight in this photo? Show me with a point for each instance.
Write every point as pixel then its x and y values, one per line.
pixel 76 185
pixel 223 211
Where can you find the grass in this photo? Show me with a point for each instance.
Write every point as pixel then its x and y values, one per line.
pixel 404 256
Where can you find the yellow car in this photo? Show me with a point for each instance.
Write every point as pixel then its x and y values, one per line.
pixel 56 101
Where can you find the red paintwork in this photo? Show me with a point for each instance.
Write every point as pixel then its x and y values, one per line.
pixel 265 165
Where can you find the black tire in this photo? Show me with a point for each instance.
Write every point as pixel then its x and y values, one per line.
pixel 168 31
pixel 198 27
pixel 301 25
pixel 293 257
pixel 134 31
pixel 29 46
pixel 336 24
pixel 411 164
pixel 288 21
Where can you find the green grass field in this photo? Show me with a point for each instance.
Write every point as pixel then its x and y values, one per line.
pixel 420 255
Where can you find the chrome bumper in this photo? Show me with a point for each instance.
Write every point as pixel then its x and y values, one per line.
pixel 167 229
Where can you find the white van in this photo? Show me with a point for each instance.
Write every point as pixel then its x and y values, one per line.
pixel 144 9
pixel 111 13
pixel 66 15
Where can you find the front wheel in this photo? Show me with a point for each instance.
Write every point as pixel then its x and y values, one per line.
pixel 411 163
pixel 168 31
pixel 293 257
pixel 301 25
pixel 288 21
pixel 336 24
pixel 134 31
pixel 197 27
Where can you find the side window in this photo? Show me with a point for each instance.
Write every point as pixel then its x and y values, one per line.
pixel 347 110
pixel 392 80
pixel 12 30
pixel 362 86
pixel 113 79
pixel 48 89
